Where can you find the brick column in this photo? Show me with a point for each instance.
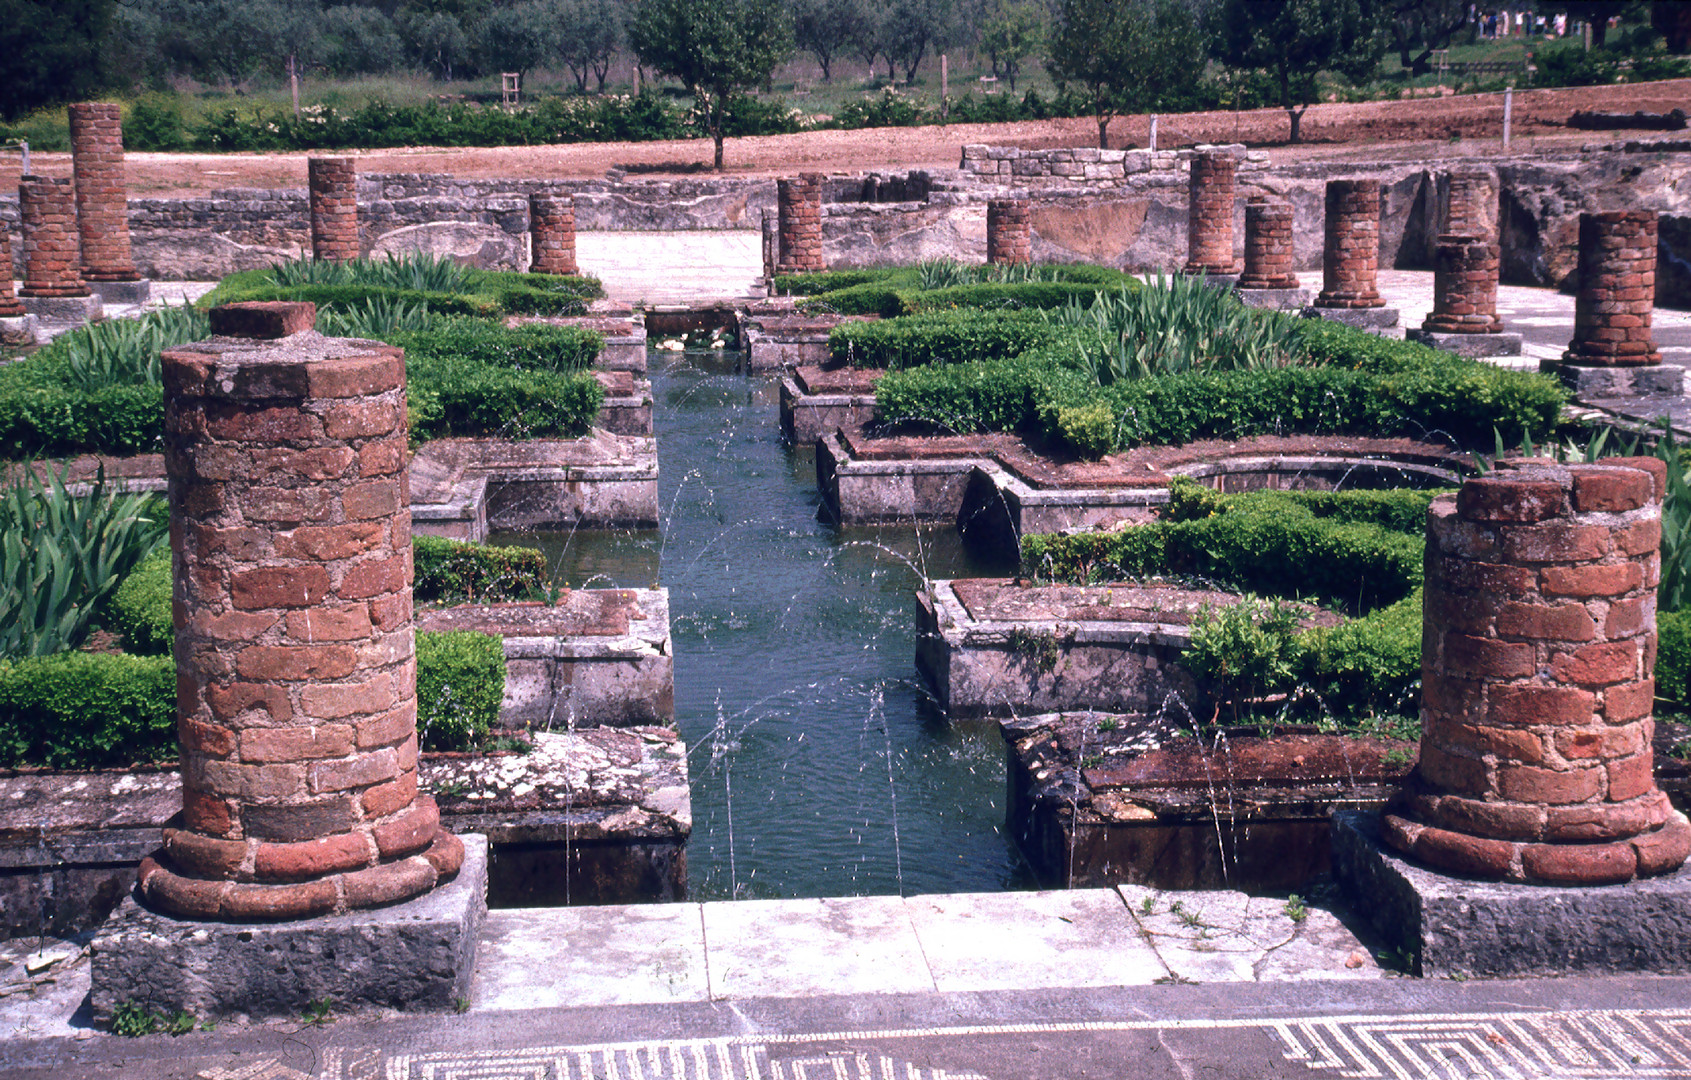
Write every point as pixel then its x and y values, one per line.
pixel 334 208
pixel 1268 246
pixel 296 679
pixel 1209 217
pixel 551 222
pixel 52 252
pixel 1009 231
pixel 799 203
pixel 102 201
pixel 1470 207
pixel 1464 287
pixel 1351 254
pixel 1617 291
pixel 9 306
pixel 1539 646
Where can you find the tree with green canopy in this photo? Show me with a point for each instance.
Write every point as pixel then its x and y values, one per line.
pixel 50 52
pixel 1130 56
pixel 1293 40
pixel 715 48
pixel 827 28
pixel 1013 31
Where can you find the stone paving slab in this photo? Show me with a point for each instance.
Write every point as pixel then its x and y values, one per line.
pixel 796 948
pixel 543 958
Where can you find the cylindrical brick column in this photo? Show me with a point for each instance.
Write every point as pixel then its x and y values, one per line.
pixel 52 251
pixel 551 222
pixel 1009 231
pixel 1617 291
pixel 1538 650
pixel 1209 217
pixel 1470 207
pixel 102 200
pixel 1464 287
pixel 9 305
pixel 1350 256
pixel 799 204
pixel 334 208
pixel 295 666
pixel 1268 246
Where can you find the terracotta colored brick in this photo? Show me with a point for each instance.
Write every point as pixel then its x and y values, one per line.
pixel 410 831
pixel 1561 622
pixel 316 463
pixel 382 457
pixel 384 799
pixel 1612 579
pixel 1451 772
pixel 361 770
pixel 236 699
pixel 1554 541
pixel 1640 538
pixel 311 858
pixel 1464 854
pixel 1604 742
pixel 374 577
pixel 378 372
pixel 225 420
pixel 1629 701
pixel 1607 489
pixel 1499 821
pixel 1487 658
pixel 232 625
pixel 388 883
pixel 1665 850
pixel 204 856
pixel 446 855
pixel 263 318
pixel 331 701
pixel 1457 698
pixel 1502 498
pixel 1508 744
pixel 1655 466
pixel 1494 579
pixel 388 728
pixel 205 813
pixel 282 506
pixel 253 783
pixel 1463 614
pixel 214 740
pixel 1531 784
pixel 290 822
pixel 296 743
pixel 351 623
pixel 1629 617
pixel 391 611
pixel 240 543
pixel 361 419
pixel 293 662
pixel 1630 777
pixel 190 898
pixel 376 499
pixel 331 542
pixel 1599 664
pixel 1579 864
pixel 262 903
pixel 1587 823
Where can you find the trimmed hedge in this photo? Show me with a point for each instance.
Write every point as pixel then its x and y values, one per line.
pixel 893 292
pixel 945 337
pixel 1396 509
pixel 833 280
pixel 1368 666
pixel 78 710
pixel 140 609
pixel 460 686
pixel 487 293
pixel 455 570
pixel 532 346
pixel 1277 550
pixel 448 397
pixel 1673 656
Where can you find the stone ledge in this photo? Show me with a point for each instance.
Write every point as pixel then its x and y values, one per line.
pixel 1469 345
pixel 1611 382
pixel 418 955
pixel 1459 927
pixel 1380 318
pixel 1278 299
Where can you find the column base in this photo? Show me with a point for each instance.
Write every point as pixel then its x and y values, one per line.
pixel 1281 299
pixel 1498 344
pixel 1215 279
pixel 19 330
pixel 417 955
pixel 1610 382
pixel 124 292
pixel 1455 926
pixel 68 309
pixel 1366 318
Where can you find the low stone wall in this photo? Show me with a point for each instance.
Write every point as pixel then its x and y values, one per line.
pixel 1089 165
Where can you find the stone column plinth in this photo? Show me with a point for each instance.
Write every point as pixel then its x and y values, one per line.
pixel 1464 318
pixel 799 205
pixel 333 183
pixel 552 231
pixel 1617 291
pixel 52 250
pixel 102 200
pixel 296 673
pixel 1209 217
pixel 1009 231
pixel 1350 257
pixel 1539 646
pixel 1268 246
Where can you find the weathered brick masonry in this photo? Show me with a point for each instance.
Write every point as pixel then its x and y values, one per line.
pixel 552 234
pixel 1268 246
pixel 1009 231
pixel 9 305
pixel 1539 646
pixel 1617 290
pixel 1464 287
pixel 102 199
pixel 799 204
pixel 1350 260
pixel 333 184
pixel 296 672
pixel 1209 222
pixel 52 252
pixel 1471 202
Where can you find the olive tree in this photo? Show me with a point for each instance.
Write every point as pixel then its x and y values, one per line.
pixel 1011 32
pixel 715 48
pixel 1129 56
pixel 1295 39
pixel 827 28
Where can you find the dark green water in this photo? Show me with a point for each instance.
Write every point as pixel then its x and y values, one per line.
pixel 818 766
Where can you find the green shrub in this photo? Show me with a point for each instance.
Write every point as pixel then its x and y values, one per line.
pixel 454 570
pixel 77 710
pixel 460 686
pixel 833 280
pixel 1369 666
pixel 140 609
pixel 1243 650
pixel 1396 509
pixel 947 337
pixel 869 298
pixel 1031 294
pixel 483 293
pixel 230 291
pixel 1275 550
pixel 1673 656
pixel 450 397
pixel 532 347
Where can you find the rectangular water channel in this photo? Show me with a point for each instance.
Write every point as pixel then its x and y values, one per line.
pixel 819 766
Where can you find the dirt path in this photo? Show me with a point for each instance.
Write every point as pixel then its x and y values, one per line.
pixel 1421 129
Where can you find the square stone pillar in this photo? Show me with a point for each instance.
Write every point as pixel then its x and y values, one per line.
pixel 333 185
pixel 102 202
pixel 551 219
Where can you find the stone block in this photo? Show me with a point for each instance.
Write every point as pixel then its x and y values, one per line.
pixel 118 293
pixel 71 309
pixel 1463 928
pixel 1278 299
pixel 418 955
pixel 19 330
pixel 1379 318
pixel 1610 382
pixel 1471 345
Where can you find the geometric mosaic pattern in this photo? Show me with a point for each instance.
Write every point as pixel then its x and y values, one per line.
pixel 1593 1044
